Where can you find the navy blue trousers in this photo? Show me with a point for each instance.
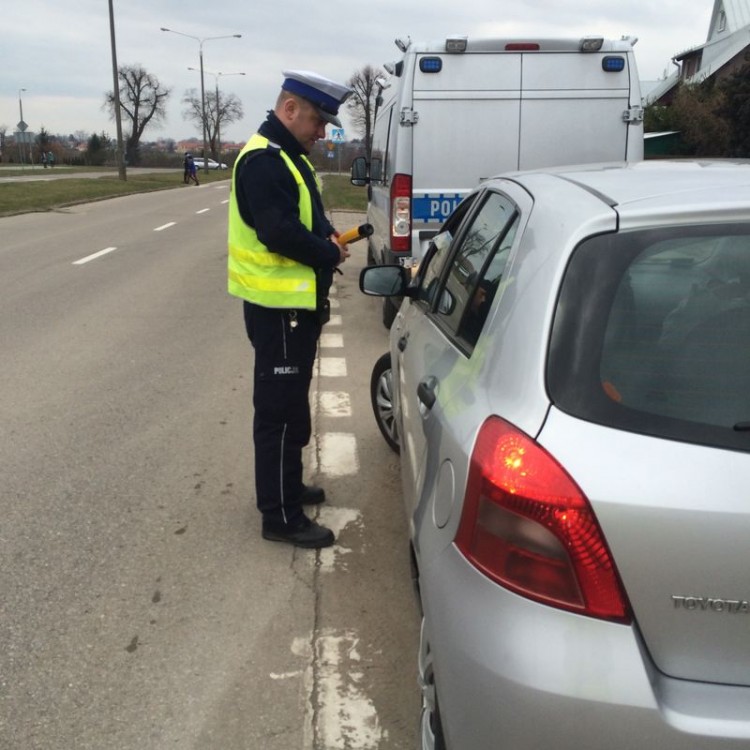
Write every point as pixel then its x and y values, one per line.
pixel 285 344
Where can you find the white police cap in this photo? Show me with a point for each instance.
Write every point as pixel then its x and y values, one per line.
pixel 326 95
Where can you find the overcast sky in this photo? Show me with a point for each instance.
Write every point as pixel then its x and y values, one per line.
pixel 59 50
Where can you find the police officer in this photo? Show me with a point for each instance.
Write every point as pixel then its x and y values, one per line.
pixel 282 255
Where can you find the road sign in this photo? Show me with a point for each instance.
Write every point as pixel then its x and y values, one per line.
pixel 337 135
pixel 22 126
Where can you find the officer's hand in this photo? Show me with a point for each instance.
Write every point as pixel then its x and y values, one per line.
pixel 343 250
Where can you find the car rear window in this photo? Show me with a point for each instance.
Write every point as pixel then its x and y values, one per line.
pixel 652 334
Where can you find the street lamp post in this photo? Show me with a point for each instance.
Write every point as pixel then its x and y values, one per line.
pixel 218 107
pixel 21 128
pixel 203 90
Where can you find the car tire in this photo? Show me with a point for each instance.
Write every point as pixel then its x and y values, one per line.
pixel 381 397
pixel 430 726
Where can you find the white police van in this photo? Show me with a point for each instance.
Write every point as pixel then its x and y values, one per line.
pixel 460 110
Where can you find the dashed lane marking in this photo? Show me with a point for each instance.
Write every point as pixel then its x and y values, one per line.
pixel 333 367
pixel 331 341
pixel 93 256
pixel 338 454
pixel 335 404
pixel 165 226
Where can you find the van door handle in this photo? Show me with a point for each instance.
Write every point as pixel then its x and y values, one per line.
pixel 402 342
pixel 427 391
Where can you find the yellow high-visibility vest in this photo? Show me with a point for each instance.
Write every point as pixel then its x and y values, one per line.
pixel 255 273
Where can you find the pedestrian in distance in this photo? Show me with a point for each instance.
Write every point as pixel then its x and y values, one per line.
pixel 186 169
pixel 44 159
pixel 283 251
pixel 192 170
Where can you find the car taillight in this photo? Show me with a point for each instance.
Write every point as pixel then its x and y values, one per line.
pixel 526 525
pixel 401 213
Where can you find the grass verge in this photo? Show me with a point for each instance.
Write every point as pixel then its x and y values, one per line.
pixel 28 196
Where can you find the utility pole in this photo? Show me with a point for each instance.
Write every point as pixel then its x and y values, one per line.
pixel 119 154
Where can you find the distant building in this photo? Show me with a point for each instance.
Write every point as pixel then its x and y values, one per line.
pixel 722 54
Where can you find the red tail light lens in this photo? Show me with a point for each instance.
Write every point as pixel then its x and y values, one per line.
pixel 401 213
pixel 526 525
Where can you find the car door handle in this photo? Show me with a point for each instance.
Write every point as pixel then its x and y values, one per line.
pixel 402 342
pixel 427 391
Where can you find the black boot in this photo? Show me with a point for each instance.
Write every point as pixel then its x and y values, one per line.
pixel 303 533
pixel 312 495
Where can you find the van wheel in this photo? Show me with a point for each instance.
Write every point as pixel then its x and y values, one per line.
pixel 381 396
pixel 389 312
pixel 431 728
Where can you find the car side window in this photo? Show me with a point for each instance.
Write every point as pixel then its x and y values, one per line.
pixel 433 264
pixel 476 268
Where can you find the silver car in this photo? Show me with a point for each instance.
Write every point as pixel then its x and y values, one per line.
pixel 570 385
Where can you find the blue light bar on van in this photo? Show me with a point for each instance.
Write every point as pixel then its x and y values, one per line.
pixel 613 64
pixel 430 64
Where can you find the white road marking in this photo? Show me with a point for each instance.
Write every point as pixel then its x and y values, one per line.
pixel 226 201
pixel 338 454
pixel 203 211
pixel 346 716
pixel 284 675
pixel 333 367
pixel 335 304
pixel 81 261
pixel 331 341
pixel 335 320
pixel 335 404
pixel 165 226
pixel 332 559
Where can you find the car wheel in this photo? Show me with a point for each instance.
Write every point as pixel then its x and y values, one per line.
pixel 381 396
pixel 431 728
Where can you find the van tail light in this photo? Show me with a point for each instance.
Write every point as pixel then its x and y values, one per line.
pixel 526 525
pixel 401 213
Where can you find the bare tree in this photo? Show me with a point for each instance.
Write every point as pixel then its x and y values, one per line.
pixel 229 110
pixel 142 101
pixel 362 104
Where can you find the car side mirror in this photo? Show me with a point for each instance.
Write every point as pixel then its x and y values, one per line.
pixel 384 281
pixel 360 175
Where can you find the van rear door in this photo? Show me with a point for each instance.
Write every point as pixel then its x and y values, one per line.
pixel 572 109
pixel 467 128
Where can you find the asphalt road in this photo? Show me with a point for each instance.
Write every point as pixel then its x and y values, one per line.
pixel 140 608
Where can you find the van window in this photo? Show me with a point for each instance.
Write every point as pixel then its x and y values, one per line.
pixel 380 144
pixel 652 334
pixel 476 268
